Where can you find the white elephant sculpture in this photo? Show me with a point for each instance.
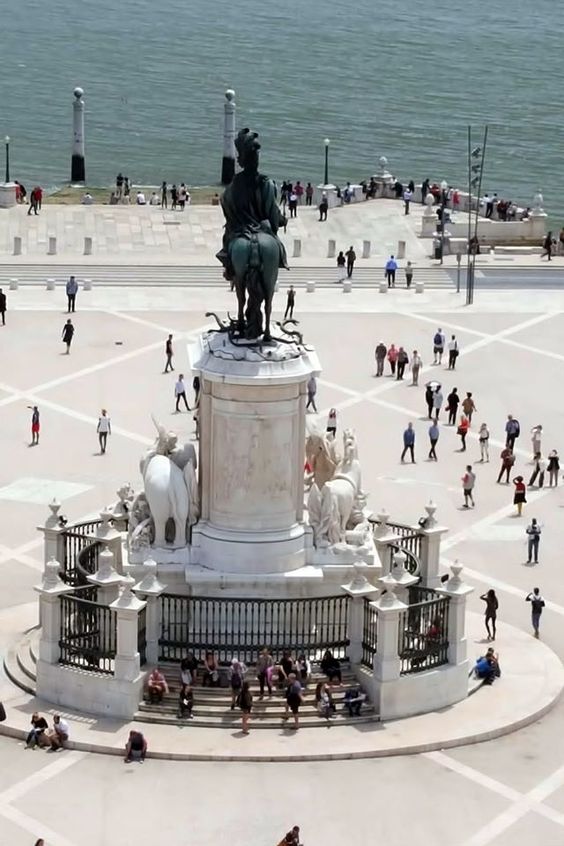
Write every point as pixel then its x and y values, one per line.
pixel 168 496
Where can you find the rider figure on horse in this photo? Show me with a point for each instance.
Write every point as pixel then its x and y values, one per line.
pixel 252 253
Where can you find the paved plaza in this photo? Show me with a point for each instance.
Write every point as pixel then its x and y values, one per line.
pixel 505 791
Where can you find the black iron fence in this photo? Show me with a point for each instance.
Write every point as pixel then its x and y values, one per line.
pixel 80 552
pixel 88 634
pixel 241 627
pixel 409 538
pixel 369 634
pixel 142 635
pixel 423 632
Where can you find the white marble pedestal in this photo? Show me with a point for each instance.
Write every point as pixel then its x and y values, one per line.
pixel 7 195
pixel 252 434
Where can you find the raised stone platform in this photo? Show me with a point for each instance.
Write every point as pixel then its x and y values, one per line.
pixel 531 683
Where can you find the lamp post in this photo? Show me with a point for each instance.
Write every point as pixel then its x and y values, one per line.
pixel 444 189
pixel 7 142
pixel 326 178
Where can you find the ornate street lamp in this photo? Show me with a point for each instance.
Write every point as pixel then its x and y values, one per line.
pixel 7 142
pixel 326 179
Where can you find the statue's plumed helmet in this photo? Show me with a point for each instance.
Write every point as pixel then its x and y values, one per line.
pixel 247 143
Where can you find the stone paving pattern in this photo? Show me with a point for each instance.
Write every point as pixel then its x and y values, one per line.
pixel 506 791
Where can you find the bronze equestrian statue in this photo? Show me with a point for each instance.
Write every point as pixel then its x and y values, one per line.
pixel 252 253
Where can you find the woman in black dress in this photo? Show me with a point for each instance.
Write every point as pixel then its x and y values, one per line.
pixel 245 702
pixel 491 612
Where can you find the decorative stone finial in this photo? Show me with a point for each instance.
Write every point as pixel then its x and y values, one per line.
pixel 230 94
pixel 54 507
pixel 51 581
pixel 383 162
pixel 456 570
pixel 388 598
pixel 431 508
pixel 78 92
pixel 382 522
pixel 149 584
pixel 538 202
pixel 399 558
pixel 106 573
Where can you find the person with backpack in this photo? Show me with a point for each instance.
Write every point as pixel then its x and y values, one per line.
pixel 512 431
pixel 438 346
pixel 537 604
pixel 533 531
pixel 245 703
pixel 294 699
pixel 237 672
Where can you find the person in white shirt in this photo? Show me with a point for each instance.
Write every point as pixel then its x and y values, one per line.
pixel 154 201
pixel 416 364
pixel 104 429
pixel 140 199
pixel 407 197
pixel 87 199
pixel 536 435
pixel 180 393
pixel 60 733
pixel 452 352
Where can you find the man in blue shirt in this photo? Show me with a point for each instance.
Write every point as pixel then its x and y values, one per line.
pixel 433 437
pixel 391 267
pixel 408 443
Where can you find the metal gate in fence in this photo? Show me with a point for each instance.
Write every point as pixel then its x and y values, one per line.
pixel 369 633
pixel 241 627
pixel 423 631
pixel 87 634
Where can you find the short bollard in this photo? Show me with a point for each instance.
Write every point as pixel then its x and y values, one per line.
pixel 347 286
pixel 419 288
pixel 297 248
pixel 50 284
pixel 366 249
pixel 17 245
pixel 310 287
pixel 383 287
pixel 401 249
pixel 87 285
pixel 331 248
pixel 87 245
pixel 52 251
pixel 13 284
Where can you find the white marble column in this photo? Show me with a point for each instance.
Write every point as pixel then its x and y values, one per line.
pixel 127 607
pixel 50 591
pixel 457 591
pixel 431 536
pixel 387 663
pixel 149 589
pixel 358 589
pixel 53 543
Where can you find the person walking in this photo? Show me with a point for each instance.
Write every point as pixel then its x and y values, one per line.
pixel 512 431
pixel 540 469
pixel 294 699
pixel 438 346
pixel 546 245
pixel 392 358
pixel 433 438
pixel 553 468
pixel 332 422
pixel 416 365
pixel 35 427
pixel 437 402
pixel 169 352
pixel 452 352
pixel 290 303
pixel 380 356
pixel 293 203
pixel 173 197
pixel 469 406
pixel 507 462
pixel 68 333
pixel 468 483
pixel 390 272
pixel 409 443
pixel 263 667
pixel 484 439
pixel 403 361
pixel 309 194
pixel 462 430
pixel 537 604
pixel 429 400
pixel 408 274
pixel 180 393
pixel 237 672
pixel 164 196
pixel 341 262
pixel 71 289
pixel 519 497
pixel 311 392
pixel 32 202
pixel 104 429
pixel 536 439
pixel 452 406
pixel 323 207
pixel 533 531
pixel 351 258
pixel 245 703
pixel 3 304
pixel 407 198
pixel 491 612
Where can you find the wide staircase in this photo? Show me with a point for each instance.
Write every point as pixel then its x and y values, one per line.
pixel 205 275
pixel 212 705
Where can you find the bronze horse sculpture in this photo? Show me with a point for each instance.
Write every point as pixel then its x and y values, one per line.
pixel 252 253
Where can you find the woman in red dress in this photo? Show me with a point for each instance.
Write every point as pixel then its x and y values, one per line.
pixel 519 496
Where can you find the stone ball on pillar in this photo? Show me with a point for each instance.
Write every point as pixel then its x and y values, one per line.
pixel 230 94
pixel 78 92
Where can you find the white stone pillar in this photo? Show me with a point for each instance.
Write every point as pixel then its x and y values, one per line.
pixel 52 251
pixel 110 537
pixel 50 285
pixel 358 590
pixel 50 591
pixel 87 245
pixel 457 590
pixel 7 195
pixel 106 578
pixel 53 543
pixel 127 607
pixel 87 285
pixel 78 169
pixel 401 250
pixel 431 535
pixel 14 285
pixel 310 286
pixel 229 130
pixel 297 248
pixel 331 248
pixel 398 579
pixel 347 286
pixel 150 588
pixel 387 663
pixel 17 245
pixel 384 536
pixel 365 249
